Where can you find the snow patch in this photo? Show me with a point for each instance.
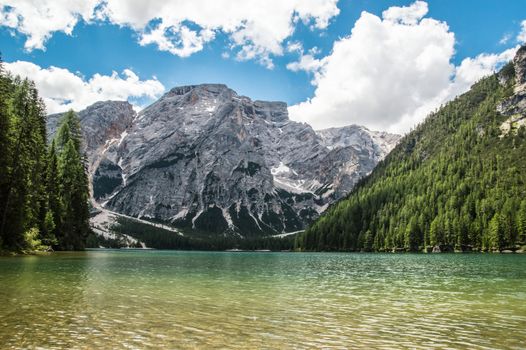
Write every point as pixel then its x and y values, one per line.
pixel 281 235
pixel 280 169
pixel 180 215
pixel 294 186
pixel 227 217
pixel 123 136
pixel 195 217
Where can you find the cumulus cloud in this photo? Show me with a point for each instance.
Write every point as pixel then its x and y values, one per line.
pixel 521 38
pixel 256 29
pixel 505 38
pixel 62 90
pixel 465 75
pixel 38 19
pixel 307 61
pixel 389 73
pixel 406 15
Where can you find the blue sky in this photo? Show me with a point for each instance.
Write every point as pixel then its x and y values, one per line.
pixel 105 45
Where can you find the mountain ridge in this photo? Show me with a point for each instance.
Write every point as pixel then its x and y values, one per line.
pixel 265 174
pixel 456 182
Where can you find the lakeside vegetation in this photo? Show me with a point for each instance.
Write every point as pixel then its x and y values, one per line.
pixel 43 187
pixel 456 182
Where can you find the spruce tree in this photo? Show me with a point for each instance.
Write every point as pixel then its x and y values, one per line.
pixel 73 187
pixel 5 144
pixel 53 220
pixel 23 191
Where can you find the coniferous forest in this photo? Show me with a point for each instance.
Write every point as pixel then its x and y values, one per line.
pixel 456 182
pixel 43 185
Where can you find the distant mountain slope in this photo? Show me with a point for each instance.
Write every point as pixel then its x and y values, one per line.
pixel 204 158
pixel 458 181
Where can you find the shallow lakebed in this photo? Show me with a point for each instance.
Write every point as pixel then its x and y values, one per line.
pixel 171 299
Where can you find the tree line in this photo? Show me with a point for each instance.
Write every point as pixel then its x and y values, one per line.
pixel 159 238
pixel 43 186
pixel 455 182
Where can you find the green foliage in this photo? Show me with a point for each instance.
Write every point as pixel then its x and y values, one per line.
pixel 23 197
pixel 159 238
pixel 69 129
pixel 74 194
pixel 521 222
pixel 31 240
pixel 39 205
pixel 454 182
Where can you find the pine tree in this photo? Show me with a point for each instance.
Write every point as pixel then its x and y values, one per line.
pixel 5 144
pixel 69 129
pixel 73 188
pixel 53 220
pixel 496 232
pixel 412 235
pixel 24 194
pixel 43 194
pixel 13 220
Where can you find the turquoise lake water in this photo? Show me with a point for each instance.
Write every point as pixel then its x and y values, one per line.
pixel 216 300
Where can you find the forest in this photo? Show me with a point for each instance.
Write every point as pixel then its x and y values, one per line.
pixel 159 238
pixel 454 183
pixel 43 185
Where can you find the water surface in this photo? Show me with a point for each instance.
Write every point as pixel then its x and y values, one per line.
pixel 167 299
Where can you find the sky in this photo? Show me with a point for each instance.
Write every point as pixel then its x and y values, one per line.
pixel 384 64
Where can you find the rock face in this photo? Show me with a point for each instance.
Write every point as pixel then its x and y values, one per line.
pixel 515 106
pixel 204 158
pixel 102 124
pixel 519 63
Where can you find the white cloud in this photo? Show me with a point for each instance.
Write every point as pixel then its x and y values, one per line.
pixel 307 62
pixel 472 69
pixel 256 29
pixel 521 38
pixel 505 38
pixel 62 90
pixel 294 46
pixel 38 19
pixel 466 74
pixel 389 73
pixel 406 15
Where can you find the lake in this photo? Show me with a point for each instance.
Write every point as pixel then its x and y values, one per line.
pixel 213 300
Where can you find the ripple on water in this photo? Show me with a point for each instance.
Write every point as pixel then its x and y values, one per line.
pixel 217 300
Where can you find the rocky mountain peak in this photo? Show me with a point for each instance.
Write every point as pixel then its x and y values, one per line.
pixel 209 88
pixel 100 122
pixel 203 157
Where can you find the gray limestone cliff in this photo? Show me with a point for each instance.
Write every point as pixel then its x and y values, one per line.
pixel 205 158
pixel 515 106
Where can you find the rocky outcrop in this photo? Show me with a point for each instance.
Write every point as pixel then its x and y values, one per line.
pixel 103 124
pixel 519 62
pixel 515 106
pixel 205 158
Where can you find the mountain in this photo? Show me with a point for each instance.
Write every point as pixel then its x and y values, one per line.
pixel 204 158
pixel 457 182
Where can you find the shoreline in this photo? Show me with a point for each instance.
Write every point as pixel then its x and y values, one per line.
pixel 47 253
